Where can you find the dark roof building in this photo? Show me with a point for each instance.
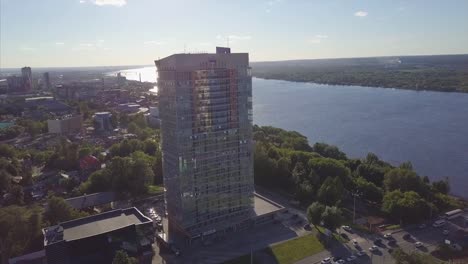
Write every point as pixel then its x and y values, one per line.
pixel 91 200
pixel 96 238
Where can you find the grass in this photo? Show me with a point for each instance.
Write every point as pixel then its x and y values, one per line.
pixel 241 260
pixel 296 249
pixel 337 236
pixel 393 227
pixel 155 189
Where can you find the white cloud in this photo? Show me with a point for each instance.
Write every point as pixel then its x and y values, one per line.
pixel 204 43
pixel 153 43
pixel 59 43
pixel 86 44
pixel 234 37
pixel 361 13
pixel 118 3
pixel 82 1
pixel 27 48
pixel 317 39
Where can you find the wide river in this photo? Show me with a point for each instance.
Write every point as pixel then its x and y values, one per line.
pixel 430 129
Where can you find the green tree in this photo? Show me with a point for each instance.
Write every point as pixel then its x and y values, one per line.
pixel 332 217
pixel 329 151
pixel 331 191
pixel 58 210
pixel 17 230
pixel 121 257
pixel 369 190
pixel 16 195
pixel 314 213
pixel 5 180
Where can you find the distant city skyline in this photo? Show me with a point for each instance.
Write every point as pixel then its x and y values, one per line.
pixel 58 33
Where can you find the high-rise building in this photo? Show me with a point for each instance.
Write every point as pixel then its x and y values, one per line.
pixel 46 81
pixel 26 73
pixel 205 104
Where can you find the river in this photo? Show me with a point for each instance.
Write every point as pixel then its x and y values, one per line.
pixel 430 129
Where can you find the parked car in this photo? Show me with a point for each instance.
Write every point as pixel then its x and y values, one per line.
pixel 351 258
pixel 326 260
pixel 347 228
pixel 422 226
pixel 445 232
pixel 373 249
pixel 388 235
pixel 378 241
pixel 438 223
pixel 355 243
pixel 340 261
pixel 418 244
pixel 361 253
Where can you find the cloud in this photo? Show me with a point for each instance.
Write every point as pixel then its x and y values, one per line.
pixel 361 13
pixel 317 39
pixel 118 3
pixel 59 43
pixel 154 43
pixel 204 43
pixel 234 37
pixel 27 48
pixel 86 44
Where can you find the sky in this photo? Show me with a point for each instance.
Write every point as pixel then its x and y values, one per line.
pixel 59 33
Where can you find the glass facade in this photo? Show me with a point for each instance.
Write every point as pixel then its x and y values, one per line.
pixel 206 128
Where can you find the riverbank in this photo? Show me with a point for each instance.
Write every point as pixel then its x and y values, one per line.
pixel 443 73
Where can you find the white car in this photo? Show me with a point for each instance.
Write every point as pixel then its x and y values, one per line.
pixel 418 244
pixel 374 248
pixel 341 261
pixel 351 258
pixel 355 243
pixel 326 260
pixel 361 253
pixel 388 235
pixel 445 232
pixel 346 228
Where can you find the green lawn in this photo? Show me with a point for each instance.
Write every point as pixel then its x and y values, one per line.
pixel 296 249
pixel 155 189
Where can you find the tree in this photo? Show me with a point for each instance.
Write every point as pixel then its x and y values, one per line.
pixel 58 210
pixel 372 173
pixel 326 167
pixel 332 217
pixel 18 227
pixel 403 179
pixel 16 195
pixel 329 151
pixel 121 257
pixel 5 180
pixel 441 186
pixel 331 191
pixel 369 190
pixel 314 213
pixel 405 206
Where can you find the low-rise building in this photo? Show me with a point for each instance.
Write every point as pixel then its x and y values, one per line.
pixel 66 124
pixel 96 238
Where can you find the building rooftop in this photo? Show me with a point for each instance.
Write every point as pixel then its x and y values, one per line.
pixel 89 200
pixel 264 206
pixel 94 225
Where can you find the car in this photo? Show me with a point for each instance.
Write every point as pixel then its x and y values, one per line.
pixel 445 232
pixel 345 236
pixel 388 236
pixel 438 223
pixel 407 236
pixel 361 253
pixel 422 226
pixel 346 228
pixel 307 227
pixel 418 244
pixel 378 241
pixel 351 258
pixel 326 260
pixel 355 243
pixel 373 249
pixel 340 261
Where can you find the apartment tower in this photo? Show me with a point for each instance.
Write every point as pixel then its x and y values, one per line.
pixel 205 104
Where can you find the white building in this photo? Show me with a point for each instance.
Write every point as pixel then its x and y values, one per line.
pixel 65 124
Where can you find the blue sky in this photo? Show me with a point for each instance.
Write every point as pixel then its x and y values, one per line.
pixel 44 33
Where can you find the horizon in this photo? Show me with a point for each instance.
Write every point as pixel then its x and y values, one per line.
pixel 93 33
pixel 305 59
